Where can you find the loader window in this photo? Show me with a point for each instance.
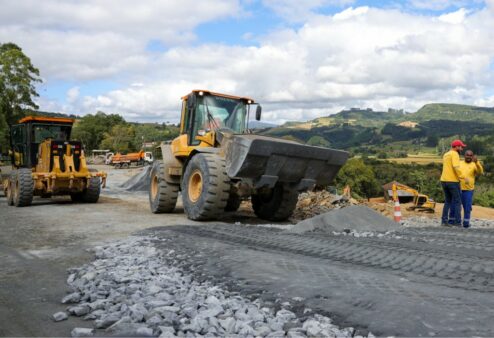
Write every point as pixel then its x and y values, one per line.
pixel 225 113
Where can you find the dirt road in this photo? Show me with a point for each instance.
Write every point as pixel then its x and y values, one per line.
pixel 38 243
pixel 413 282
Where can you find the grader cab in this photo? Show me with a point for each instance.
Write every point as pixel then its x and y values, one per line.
pixel 216 161
pixel 45 162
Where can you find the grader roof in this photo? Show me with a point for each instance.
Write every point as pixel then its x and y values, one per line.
pixel 46 119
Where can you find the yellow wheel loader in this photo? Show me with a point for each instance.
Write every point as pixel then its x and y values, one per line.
pixel 216 161
pixel 45 162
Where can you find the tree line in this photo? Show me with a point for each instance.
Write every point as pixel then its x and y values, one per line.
pixel 18 80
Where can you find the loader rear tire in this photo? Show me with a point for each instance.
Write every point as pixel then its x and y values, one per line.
pixel 278 205
pixel 233 203
pixel 205 187
pixel 22 187
pixel 162 195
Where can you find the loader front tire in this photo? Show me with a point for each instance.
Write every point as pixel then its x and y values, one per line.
pixel 233 203
pixel 277 205
pixel 22 187
pixel 205 187
pixel 162 195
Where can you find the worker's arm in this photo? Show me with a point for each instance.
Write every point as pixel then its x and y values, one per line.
pixel 455 161
pixel 479 170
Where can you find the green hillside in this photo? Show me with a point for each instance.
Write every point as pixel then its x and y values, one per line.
pixel 366 131
pixel 457 112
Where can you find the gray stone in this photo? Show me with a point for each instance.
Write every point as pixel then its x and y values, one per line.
pixel 59 316
pixel 262 331
pixel 154 320
pixel 79 310
pixel 95 315
pixel 74 297
pixel 138 311
pixel 167 331
pixel 296 333
pixel 285 315
pixel 276 334
pixel 106 321
pixel 276 324
pixel 228 324
pixel 312 328
pixel 144 331
pixel 82 332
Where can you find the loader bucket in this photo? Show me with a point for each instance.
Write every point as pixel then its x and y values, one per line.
pixel 268 160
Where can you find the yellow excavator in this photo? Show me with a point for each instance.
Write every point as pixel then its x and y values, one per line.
pixel 216 161
pixel 45 162
pixel 421 202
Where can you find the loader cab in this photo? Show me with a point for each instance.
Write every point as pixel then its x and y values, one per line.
pixel 30 132
pixel 204 112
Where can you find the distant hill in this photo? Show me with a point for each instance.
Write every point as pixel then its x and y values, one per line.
pixel 366 130
pixel 456 112
pixel 261 125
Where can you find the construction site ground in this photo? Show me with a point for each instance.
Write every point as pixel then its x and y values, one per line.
pixel 393 280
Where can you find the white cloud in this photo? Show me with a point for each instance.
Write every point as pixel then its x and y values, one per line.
pixel 454 17
pixel 298 11
pixel 97 39
pixel 73 94
pixel 439 5
pixel 363 56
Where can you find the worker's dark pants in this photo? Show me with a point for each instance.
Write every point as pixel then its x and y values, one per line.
pixel 452 200
pixel 466 201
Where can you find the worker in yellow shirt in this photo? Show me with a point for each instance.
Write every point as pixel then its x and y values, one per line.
pixel 470 167
pixel 450 181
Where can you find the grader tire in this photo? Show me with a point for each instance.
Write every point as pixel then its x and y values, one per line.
pixel 277 206
pixel 162 195
pixel 125 166
pixel 233 203
pixel 90 194
pixel 22 187
pixel 9 194
pixel 205 187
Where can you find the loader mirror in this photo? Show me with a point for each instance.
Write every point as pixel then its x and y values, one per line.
pixel 258 112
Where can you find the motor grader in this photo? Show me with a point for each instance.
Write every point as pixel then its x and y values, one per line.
pixel 215 162
pixel 45 162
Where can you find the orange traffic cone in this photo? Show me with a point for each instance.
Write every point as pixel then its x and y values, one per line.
pixel 397 213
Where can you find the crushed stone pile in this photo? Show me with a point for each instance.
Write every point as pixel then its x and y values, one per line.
pixel 358 218
pixel 139 182
pixel 313 203
pixel 133 289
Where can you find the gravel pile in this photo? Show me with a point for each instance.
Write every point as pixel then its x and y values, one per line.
pixel 356 217
pixel 422 222
pixel 139 182
pixel 312 203
pixel 133 289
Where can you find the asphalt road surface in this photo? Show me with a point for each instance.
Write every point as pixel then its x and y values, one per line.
pixel 417 282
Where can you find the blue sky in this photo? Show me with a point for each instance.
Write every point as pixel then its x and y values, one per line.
pixel 301 59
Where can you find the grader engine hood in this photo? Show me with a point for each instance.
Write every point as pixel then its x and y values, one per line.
pixel 268 160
